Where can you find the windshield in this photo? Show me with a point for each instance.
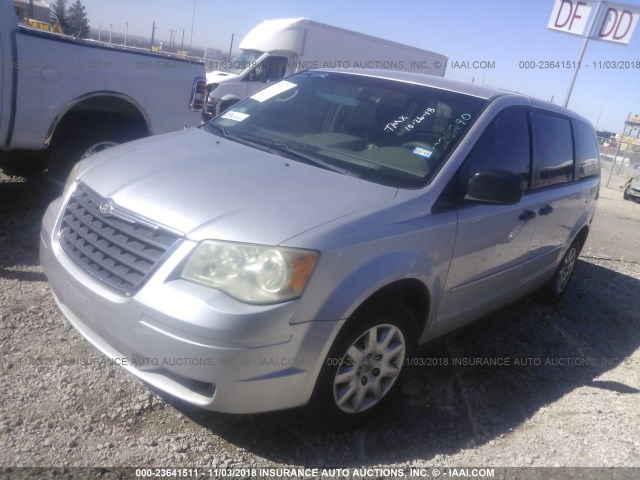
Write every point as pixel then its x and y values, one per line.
pixel 240 62
pixel 384 131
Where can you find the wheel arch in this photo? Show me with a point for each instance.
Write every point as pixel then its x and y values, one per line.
pixel 102 103
pixel 581 236
pixel 402 277
pixel 410 292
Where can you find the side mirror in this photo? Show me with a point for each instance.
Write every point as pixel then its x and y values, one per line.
pixel 499 187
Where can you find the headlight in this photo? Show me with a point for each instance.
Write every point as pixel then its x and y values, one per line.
pixel 251 273
pixel 71 180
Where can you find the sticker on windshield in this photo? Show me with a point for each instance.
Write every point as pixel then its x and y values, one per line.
pixel 423 152
pixel 235 116
pixel 273 90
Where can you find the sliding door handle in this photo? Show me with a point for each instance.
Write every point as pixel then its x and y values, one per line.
pixel 527 215
pixel 546 210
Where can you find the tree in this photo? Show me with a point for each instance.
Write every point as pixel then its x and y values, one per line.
pixel 78 21
pixel 59 10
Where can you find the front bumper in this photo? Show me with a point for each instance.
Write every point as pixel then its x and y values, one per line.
pixel 191 341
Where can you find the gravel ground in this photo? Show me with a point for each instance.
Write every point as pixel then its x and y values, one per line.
pixel 566 394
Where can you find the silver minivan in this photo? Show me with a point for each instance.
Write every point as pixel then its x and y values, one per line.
pixel 298 248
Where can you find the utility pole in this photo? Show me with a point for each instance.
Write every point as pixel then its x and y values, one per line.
pixel 153 34
pixel 193 17
pixel 99 33
pixel 231 47
pixel 110 32
pixel 601 108
pixel 182 41
pixel 126 32
pixel 582 50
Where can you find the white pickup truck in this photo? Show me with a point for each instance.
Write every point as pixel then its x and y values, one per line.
pixel 62 99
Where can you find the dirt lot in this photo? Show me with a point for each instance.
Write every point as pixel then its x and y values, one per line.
pixel 566 394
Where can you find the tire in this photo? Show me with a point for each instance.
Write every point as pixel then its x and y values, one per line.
pixel 359 375
pixel 27 167
pixel 626 195
pixel 554 289
pixel 82 139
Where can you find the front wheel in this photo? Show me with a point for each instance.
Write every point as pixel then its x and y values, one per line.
pixel 365 365
pixel 626 195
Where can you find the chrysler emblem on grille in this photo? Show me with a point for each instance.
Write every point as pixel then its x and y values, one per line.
pixel 106 208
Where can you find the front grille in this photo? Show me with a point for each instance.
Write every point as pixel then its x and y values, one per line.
pixel 116 247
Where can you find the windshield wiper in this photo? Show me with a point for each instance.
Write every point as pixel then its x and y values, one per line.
pixel 281 148
pixel 297 154
pixel 219 128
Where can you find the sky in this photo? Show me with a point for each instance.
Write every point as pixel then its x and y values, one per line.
pixel 506 32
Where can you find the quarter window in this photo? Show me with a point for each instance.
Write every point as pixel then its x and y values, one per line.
pixel 554 150
pixel 588 152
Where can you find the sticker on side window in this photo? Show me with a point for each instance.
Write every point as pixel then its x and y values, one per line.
pixel 273 90
pixel 423 152
pixel 235 116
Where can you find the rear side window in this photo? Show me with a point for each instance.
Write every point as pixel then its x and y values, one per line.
pixel 504 145
pixel 554 149
pixel 588 152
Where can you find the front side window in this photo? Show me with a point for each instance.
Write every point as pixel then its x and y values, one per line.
pixel 504 145
pixel 554 149
pixel 269 69
pixel 380 130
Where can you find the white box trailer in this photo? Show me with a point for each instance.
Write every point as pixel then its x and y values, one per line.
pixel 276 48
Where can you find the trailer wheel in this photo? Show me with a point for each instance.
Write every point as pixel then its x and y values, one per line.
pixel 80 140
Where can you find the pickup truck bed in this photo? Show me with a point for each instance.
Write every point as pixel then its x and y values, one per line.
pixel 64 98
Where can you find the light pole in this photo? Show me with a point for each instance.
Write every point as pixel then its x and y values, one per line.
pixel 126 32
pixel 99 33
pixel 110 32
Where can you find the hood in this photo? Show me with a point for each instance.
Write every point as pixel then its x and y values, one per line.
pixel 206 186
pixel 217 76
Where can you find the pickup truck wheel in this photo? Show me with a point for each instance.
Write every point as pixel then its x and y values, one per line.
pixel 80 141
pixel 554 289
pixel 364 367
